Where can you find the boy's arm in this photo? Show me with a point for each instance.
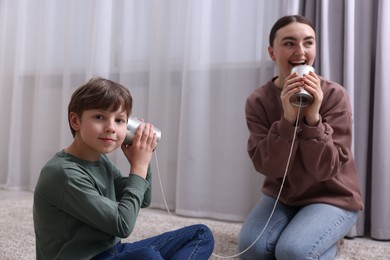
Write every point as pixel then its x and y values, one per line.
pixel 83 201
pixel 148 193
pixel 120 184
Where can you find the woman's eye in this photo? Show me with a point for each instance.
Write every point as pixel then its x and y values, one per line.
pixel 309 43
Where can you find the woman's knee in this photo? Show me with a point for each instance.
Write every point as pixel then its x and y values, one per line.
pixel 296 246
pixel 250 250
pixel 291 250
pixel 301 251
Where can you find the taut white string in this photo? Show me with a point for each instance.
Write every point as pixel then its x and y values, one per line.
pixel 273 209
pixel 161 187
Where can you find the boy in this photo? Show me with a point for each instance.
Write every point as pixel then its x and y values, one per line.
pixel 83 206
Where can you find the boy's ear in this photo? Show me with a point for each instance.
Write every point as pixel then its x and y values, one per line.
pixel 271 53
pixel 74 121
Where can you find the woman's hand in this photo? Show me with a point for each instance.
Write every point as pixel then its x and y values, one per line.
pixel 292 86
pixel 139 153
pixel 312 85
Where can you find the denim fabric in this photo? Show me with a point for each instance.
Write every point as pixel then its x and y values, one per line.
pixel 192 242
pixel 309 232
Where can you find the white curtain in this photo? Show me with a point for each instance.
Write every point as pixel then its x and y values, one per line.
pixel 189 64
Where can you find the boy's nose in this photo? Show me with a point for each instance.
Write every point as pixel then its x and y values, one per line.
pixel 110 126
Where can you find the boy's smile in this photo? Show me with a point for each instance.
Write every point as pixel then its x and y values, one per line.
pixel 98 132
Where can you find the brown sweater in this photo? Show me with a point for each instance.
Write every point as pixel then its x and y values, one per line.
pixel 322 168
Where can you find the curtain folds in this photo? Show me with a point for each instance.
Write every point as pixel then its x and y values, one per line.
pixel 189 64
pixel 379 211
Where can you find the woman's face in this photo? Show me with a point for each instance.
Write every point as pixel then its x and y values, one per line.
pixel 294 44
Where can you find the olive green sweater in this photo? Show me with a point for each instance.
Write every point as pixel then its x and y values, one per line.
pixel 83 208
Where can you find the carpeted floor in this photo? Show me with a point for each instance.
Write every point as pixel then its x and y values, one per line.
pixel 17 233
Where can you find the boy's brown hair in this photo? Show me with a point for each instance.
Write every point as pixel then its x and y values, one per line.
pixel 99 93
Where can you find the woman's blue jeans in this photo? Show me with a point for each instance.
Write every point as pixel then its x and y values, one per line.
pixel 192 242
pixel 309 232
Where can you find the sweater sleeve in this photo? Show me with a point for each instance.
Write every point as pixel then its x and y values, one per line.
pixel 326 147
pixel 83 200
pixel 121 183
pixel 270 135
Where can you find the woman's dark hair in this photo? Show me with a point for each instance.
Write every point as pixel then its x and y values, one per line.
pixel 99 93
pixel 285 20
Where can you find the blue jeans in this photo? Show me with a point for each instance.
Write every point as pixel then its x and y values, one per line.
pixel 192 242
pixel 309 232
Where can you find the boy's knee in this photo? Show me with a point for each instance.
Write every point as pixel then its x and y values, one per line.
pixel 205 238
pixel 144 253
pixel 204 231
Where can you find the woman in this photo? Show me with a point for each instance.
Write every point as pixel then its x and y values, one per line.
pixel 303 151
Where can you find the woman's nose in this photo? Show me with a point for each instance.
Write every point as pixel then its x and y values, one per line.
pixel 299 50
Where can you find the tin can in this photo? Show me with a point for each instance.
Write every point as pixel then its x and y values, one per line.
pixel 132 126
pixel 302 98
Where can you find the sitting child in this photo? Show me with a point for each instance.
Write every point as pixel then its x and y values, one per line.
pixel 83 206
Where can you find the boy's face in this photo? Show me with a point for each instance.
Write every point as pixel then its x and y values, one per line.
pixel 99 131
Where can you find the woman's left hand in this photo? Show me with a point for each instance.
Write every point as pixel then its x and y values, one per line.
pixel 313 86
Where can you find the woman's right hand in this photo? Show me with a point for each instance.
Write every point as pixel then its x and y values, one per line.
pixel 292 85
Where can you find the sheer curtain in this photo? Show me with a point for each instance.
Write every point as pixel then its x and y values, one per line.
pixel 189 64
pixel 352 44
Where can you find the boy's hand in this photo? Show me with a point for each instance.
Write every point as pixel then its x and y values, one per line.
pixel 139 153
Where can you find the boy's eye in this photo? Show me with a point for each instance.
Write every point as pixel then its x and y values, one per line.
pixel 121 121
pixel 100 117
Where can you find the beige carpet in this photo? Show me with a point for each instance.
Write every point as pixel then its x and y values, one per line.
pixel 17 233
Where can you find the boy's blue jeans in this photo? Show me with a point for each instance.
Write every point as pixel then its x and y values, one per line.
pixel 192 242
pixel 309 232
